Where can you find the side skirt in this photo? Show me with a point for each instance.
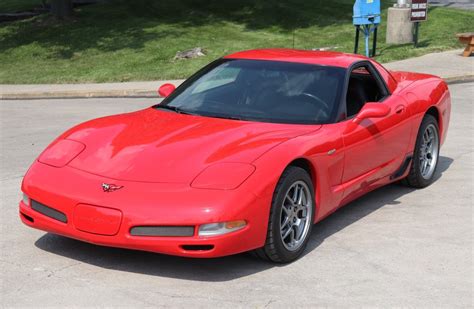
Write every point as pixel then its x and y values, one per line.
pixel 402 169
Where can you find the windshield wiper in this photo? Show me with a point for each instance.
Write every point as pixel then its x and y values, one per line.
pixel 224 116
pixel 184 112
pixel 175 109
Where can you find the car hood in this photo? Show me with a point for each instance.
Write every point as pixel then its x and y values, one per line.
pixel 160 146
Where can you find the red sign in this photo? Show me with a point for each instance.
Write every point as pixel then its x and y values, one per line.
pixel 419 10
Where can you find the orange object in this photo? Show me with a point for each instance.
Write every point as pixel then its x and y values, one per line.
pixel 468 39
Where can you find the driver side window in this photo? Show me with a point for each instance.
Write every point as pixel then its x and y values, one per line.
pixel 363 88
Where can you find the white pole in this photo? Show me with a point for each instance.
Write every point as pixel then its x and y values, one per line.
pixel 402 4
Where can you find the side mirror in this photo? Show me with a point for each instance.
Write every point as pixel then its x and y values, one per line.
pixel 165 90
pixel 372 110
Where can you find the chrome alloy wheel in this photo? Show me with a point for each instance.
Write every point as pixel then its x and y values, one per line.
pixel 428 154
pixel 296 214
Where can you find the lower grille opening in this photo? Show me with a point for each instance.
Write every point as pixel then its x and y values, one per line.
pixel 197 247
pixel 48 211
pixel 28 218
pixel 168 231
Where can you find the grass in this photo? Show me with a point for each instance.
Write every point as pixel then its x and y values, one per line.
pixel 121 40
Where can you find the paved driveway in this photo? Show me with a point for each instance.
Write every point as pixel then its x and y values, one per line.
pixel 458 4
pixel 393 247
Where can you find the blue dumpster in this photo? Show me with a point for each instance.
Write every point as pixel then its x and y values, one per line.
pixel 366 15
pixel 366 12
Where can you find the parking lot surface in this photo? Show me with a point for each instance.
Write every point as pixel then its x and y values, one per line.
pixel 393 247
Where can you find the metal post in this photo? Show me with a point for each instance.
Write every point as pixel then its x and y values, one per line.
pixel 367 34
pixel 374 46
pixel 356 45
pixel 415 38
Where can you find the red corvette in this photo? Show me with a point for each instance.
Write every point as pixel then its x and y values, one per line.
pixel 245 155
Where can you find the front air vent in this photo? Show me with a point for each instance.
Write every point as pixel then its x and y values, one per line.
pixel 197 247
pixel 48 211
pixel 28 218
pixel 167 231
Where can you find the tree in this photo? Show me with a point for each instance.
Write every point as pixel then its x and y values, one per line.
pixel 61 8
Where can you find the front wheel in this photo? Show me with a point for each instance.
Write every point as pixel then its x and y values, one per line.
pixel 425 156
pixel 291 217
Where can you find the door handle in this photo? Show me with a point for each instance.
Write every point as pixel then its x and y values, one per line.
pixel 400 109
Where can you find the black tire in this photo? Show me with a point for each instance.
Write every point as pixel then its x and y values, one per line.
pixel 415 178
pixel 274 250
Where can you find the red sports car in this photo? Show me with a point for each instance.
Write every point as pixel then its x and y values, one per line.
pixel 245 155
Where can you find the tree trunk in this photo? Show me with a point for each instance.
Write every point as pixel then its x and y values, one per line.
pixel 61 8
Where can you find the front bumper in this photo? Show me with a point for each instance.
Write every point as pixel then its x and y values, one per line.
pixel 144 204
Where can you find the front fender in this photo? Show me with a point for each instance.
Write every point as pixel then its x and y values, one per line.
pixel 325 157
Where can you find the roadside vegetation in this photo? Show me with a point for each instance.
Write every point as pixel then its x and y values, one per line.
pixel 119 40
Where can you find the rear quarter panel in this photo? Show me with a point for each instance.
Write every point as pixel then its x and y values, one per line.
pixel 423 92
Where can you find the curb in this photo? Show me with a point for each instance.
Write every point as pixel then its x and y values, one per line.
pixel 138 93
pixel 78 95
pixel 459 79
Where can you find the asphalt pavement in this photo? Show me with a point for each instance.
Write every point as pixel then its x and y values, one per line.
pixel 394 247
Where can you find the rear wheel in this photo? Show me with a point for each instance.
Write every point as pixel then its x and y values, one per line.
pixel 425 156
pixel 291 217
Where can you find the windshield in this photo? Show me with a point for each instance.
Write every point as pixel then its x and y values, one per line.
pixel 267 91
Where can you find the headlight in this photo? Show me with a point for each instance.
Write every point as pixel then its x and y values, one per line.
pixel 223 176
pixel 214 229
pixel 26 199
pixel 61 153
